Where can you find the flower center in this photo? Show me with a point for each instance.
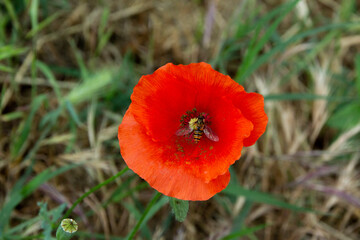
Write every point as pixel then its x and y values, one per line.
pixel 191 118
pixel 194 125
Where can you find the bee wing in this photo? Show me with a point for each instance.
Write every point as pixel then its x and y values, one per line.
pixel 183 131
pixel 210 134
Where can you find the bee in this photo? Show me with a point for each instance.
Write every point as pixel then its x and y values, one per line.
pixel 198 126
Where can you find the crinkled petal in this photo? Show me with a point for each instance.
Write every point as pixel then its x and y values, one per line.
pixel 142 155
pixel 160 99
pixel 176 165
pixel 252 107
pixel 208 159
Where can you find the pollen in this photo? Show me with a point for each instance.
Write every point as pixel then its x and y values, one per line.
pixel 192 123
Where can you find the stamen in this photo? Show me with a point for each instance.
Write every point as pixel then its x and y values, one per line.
pixel 192 123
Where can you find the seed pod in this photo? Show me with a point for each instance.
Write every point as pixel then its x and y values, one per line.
pixel 66 229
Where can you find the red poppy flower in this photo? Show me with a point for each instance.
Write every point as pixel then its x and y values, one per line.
pixel 185 126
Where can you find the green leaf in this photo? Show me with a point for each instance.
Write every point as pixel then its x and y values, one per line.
pixel 46 222
pixel 54 214
pixel 180 208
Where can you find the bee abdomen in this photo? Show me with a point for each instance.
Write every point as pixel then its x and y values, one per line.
pixel 197 135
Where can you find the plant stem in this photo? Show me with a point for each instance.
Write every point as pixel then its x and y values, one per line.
pixel 136 228
pixel 107 181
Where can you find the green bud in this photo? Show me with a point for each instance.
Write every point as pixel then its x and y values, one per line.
pixel 66 229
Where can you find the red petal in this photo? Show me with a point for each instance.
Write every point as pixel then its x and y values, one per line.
pixel 208 159
pixel 160 99
pixel 252 107
pixel 175 165
pixel 142 154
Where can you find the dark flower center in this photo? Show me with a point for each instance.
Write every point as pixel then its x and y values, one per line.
pixel 194 124
pixel 190 117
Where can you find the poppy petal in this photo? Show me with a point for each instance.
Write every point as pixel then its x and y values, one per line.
pixel 185 126
pixel 207 159
pixel 252 107
pixel 141 155
pixel 177 89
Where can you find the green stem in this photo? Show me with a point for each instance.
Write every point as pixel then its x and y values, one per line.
pixel 136 228
pixel 107 181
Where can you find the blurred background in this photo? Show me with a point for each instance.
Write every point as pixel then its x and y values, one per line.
pixel 67 70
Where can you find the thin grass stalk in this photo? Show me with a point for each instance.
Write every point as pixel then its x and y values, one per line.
pixel 136 228
pixel 97 187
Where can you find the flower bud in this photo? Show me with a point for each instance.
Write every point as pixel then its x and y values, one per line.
pixel 66 229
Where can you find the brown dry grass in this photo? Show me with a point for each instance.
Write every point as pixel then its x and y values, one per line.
pixel 297 158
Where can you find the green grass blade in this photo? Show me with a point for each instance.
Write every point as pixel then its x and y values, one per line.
pixel 282 46
pixel 136 213
pixel 73 113
pixel 11 11
pixel 157 206
pixel 4 68
pixel 357 75
pixel 144 216
pixel 304 96
pixel 54 215
pixel 238 222
pixel 260 197
pixel 43 177
pixel 103 35
pixel 50 118
pixel 50 76
pixel 93 189
pixel 97 236
pixel 34 12
pixel 78 55
pixel 346 116
pixel 19 194
pixel 42 25
pixel 18 146
pixel 9 51
pixel 8 117
pixel 93 86
pixel 347 8
pixel 254 50
pixel 244 232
